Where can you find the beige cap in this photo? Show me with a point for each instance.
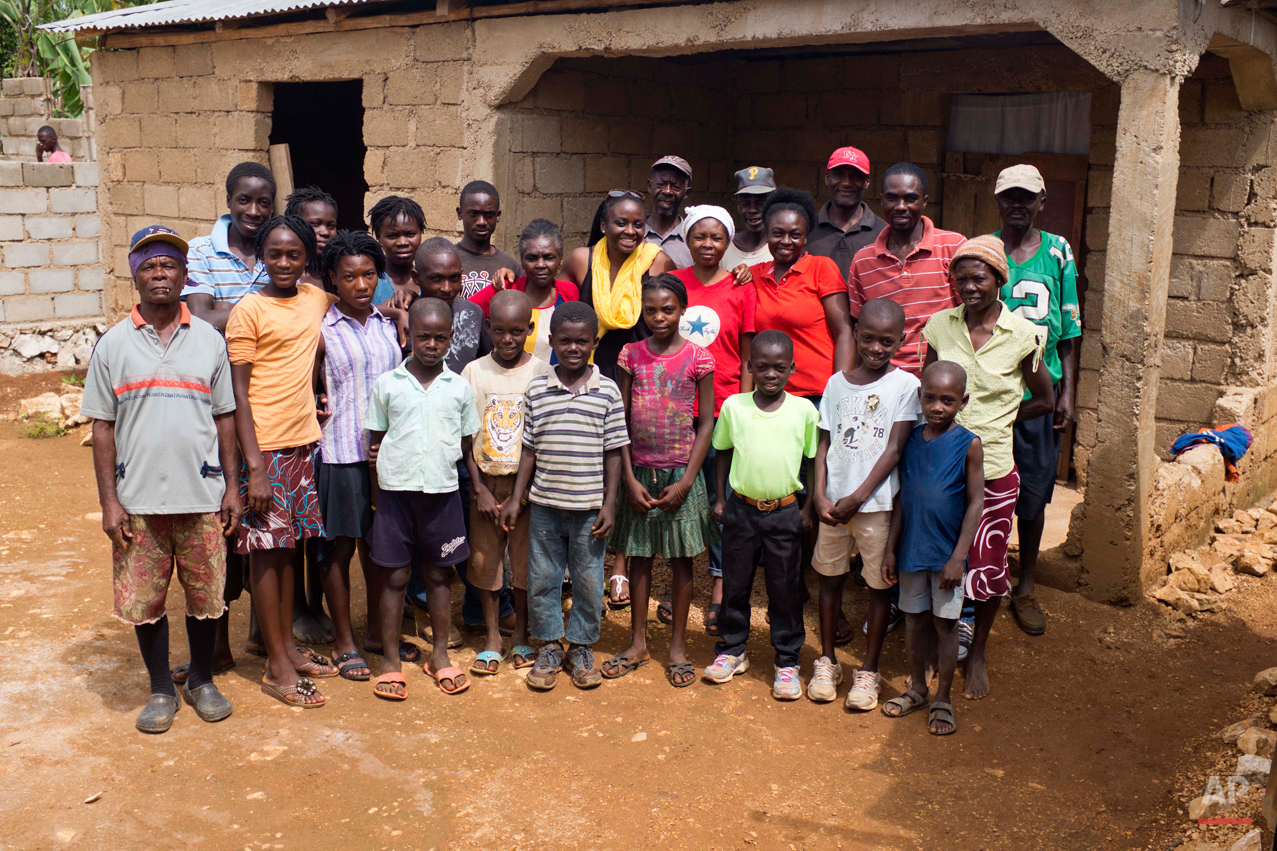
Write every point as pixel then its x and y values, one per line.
pixel 1021 176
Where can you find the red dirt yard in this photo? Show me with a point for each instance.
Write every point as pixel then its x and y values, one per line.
pixel 1093 738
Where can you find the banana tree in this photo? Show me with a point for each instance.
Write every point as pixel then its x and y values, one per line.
pixel 56 56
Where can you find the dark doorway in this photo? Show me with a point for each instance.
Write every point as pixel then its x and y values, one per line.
pixel 323 126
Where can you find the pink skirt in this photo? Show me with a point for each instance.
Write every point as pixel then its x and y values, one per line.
pixel 987 573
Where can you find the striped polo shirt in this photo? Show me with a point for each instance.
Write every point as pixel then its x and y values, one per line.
pixel 162 399
pixel 212 269
pixel 920 284
pixel 355 355
pixel 569 432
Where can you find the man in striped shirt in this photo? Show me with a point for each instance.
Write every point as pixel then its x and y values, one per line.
pixel 908 262
pixel 223 267
pixel 574 428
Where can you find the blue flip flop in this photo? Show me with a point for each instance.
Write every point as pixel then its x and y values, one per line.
pixel 480 664
pixel 523 656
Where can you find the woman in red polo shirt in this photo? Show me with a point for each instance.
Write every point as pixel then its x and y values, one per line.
pixel 802 294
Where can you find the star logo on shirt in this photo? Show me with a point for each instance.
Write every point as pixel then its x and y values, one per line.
pixel 700 324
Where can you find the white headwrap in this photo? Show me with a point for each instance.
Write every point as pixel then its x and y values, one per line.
pixel 692 215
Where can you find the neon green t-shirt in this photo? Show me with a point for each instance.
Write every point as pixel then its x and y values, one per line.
pixel 769 446
pixel 1043 290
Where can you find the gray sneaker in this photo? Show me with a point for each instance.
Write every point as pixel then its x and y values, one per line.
pixel 545 672
pixel 582 666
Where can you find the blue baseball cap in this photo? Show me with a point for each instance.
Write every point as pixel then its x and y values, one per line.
pixel 157 233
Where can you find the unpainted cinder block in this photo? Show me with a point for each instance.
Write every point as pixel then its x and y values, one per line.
pixel 75 253
pixel 26 254
pixel 49 227
pixel 28 308
pixel 72 305
pixel 51 280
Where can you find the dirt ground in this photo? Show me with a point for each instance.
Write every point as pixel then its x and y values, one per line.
pixel 1093 738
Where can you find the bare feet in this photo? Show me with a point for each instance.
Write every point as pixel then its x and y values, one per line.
pixel 311 629
pixel 977 678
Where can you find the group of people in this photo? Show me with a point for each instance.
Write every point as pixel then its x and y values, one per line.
pixel 833 388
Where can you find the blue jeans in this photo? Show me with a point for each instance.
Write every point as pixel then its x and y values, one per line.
pixel 558 539
pixel 471 608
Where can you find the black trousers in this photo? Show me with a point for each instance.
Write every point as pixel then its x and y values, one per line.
pixel 773 539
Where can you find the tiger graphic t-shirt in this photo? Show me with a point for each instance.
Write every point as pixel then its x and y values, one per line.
pixel 498 396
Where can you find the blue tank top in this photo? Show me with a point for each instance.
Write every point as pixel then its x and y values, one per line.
pixel 933 498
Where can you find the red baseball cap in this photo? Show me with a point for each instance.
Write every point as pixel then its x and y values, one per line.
pixel 853 157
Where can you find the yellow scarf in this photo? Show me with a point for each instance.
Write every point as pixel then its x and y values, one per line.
pixel 619 305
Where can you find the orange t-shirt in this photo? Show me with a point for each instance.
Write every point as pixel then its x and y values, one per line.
pixel 794 306
pixel 279 337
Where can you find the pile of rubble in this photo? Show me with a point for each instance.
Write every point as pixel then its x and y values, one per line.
pixel 1242 544
pixel 62 408
pixel 1228 797
pixel 40 348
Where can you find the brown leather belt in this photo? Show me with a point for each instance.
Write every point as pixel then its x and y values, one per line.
pixel 770 504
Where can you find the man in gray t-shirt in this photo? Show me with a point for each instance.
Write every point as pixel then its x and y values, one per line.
pixel 167 467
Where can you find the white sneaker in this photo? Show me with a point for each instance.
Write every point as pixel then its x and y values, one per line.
pixel 787 685
pixel 824 681
pixel 966 635
pixel 864 691
pixel 725 667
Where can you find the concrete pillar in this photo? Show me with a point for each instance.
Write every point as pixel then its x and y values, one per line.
pixel 1133 316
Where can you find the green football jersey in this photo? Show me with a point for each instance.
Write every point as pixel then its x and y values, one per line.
pixel 1043 290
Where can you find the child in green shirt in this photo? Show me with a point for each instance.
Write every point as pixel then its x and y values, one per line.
pixel 761 439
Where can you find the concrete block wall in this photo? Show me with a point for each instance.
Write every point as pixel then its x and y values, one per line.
pixel 593 125
pixel 174 120
pixel 25 107
pixel 50 267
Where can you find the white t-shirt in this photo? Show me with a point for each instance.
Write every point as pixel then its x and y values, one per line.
pixel 859 418
pixel 734 256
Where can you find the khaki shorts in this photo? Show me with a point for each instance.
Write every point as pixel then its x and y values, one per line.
pixel 488 543
pixel 864 533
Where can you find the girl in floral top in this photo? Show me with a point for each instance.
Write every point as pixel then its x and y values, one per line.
pixel 663 380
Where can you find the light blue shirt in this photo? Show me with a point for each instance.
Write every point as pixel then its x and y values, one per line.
pixel 385 289
pixel 423 427
pixel 212 269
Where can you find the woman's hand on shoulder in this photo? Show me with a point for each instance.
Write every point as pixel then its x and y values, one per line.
pixel 742 275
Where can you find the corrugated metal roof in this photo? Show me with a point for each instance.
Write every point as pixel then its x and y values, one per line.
pixel 173 12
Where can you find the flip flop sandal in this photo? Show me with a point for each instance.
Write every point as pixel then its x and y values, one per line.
pixel 620 665
pixel 258 650
pixel 523 656
pixel 480 664
pixel 348 661
pixel 665 611
pixel 711 619
pixel 906 703
pixel 408 652
pixel 676 670
pixel 942 710
pixel 450 674
pixel 396 677
pixel 614 590
pixel 289 694
pixel 183 672
pixel 843 633
pixel 316 666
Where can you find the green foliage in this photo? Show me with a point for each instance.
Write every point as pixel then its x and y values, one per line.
pixel 74 380
pixel 37 53
pixel 41 427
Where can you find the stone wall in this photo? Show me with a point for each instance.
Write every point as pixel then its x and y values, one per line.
pixel 26 106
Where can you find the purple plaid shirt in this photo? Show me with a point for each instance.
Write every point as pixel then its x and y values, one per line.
pixel 354 356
